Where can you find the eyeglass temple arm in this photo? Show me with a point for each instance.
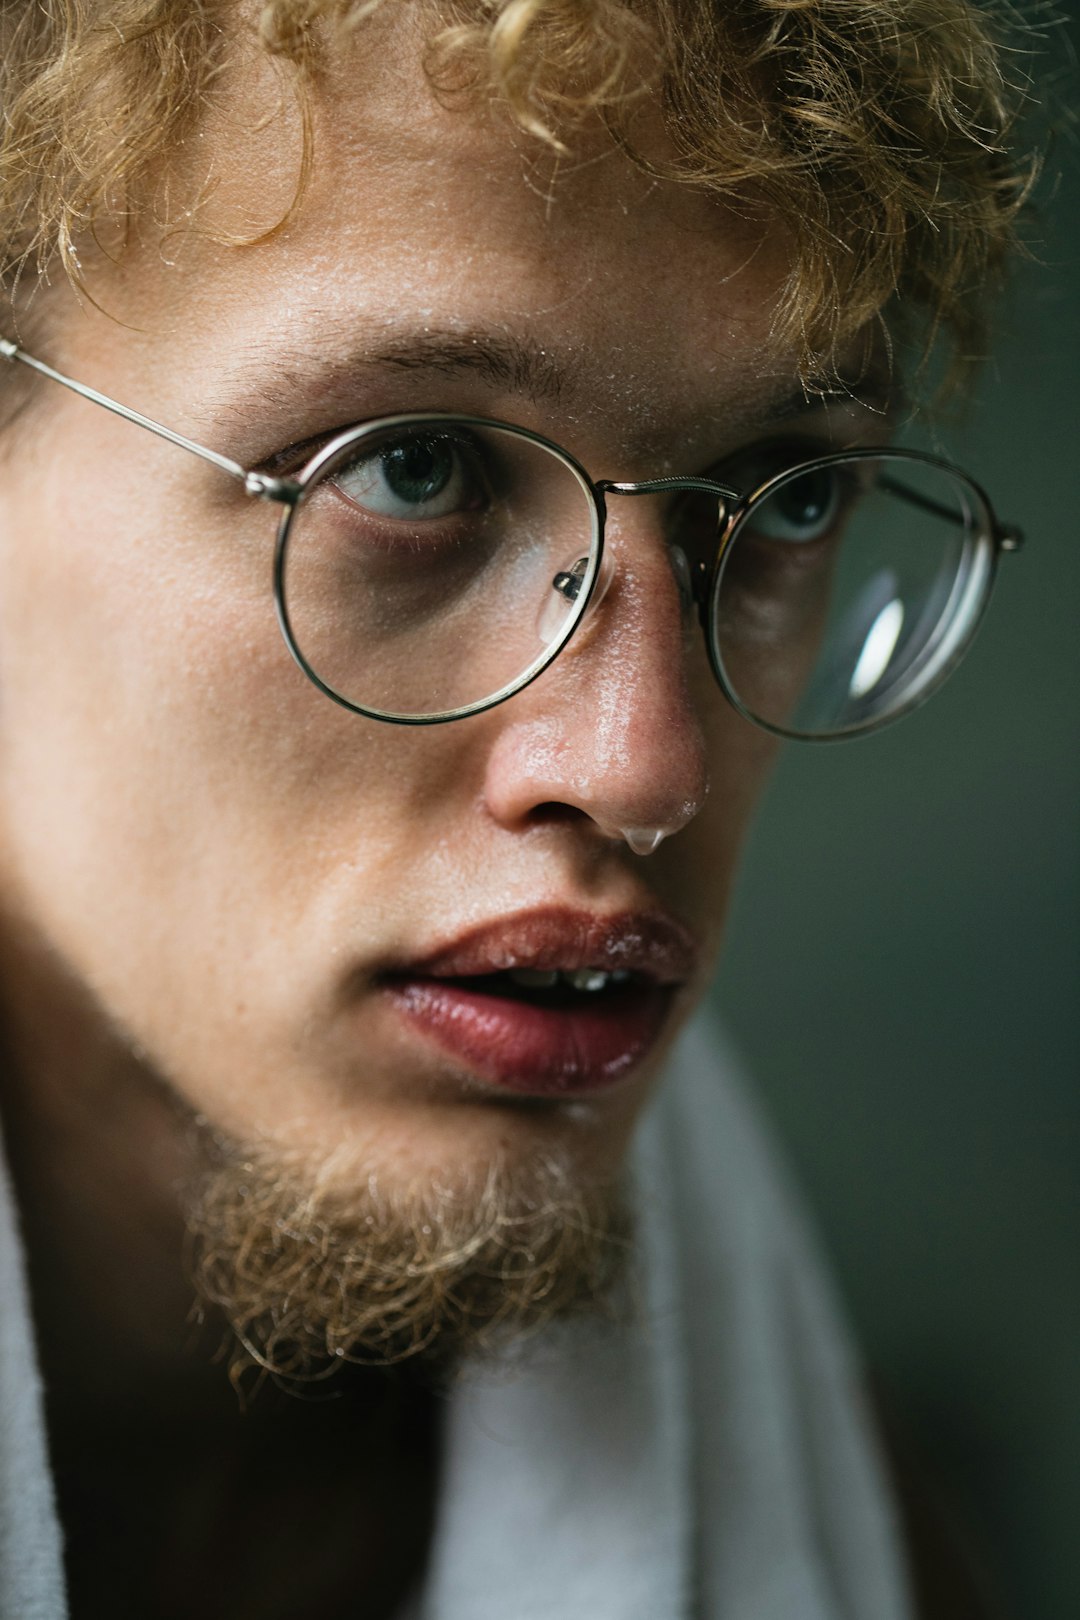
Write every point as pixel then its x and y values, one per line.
pixel 1008 537
pixel 257 484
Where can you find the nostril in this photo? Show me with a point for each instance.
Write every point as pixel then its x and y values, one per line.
pixel 552 814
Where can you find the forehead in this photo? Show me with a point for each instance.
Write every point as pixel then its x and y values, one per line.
pixel 425 214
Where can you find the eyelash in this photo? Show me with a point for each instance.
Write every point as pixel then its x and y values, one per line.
pixel 767 455
pixel 283 463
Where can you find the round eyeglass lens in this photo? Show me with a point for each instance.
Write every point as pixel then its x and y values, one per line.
pixel 434 565
pixel 848 590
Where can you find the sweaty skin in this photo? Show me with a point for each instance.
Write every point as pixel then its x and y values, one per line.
pixel 204 864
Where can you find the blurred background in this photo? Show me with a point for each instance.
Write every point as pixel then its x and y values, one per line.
pixel 903 973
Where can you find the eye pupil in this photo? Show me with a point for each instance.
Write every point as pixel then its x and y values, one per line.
pixel 419 469
pixel 807 500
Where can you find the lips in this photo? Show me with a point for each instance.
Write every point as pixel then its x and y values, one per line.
pixel 550 1002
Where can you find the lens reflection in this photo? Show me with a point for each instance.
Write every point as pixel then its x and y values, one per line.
pixel 848 590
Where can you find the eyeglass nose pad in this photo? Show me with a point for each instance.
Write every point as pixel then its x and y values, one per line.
pixel 566 587
pixel 684 579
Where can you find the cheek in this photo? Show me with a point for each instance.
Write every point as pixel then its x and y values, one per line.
pixel 700 863
pixel 167 775
pixel 193 829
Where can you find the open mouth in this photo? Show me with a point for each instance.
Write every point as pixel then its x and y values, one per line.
pixel 550 987
pixel 547 1039
pixel 548 1003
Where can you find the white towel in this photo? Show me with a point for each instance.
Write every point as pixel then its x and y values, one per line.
pixel 31 1572
pixel 710 1460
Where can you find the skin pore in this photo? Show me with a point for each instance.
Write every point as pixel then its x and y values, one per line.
pixel 205 866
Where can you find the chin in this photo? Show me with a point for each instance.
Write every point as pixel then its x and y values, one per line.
pixel 406 1248
pixel 453 1135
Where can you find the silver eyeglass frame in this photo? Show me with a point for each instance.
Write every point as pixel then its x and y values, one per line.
pixel 733 509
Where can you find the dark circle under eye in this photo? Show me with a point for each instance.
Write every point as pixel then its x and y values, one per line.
pixel 803 508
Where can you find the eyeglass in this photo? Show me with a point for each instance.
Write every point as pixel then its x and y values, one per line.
pixel 429 566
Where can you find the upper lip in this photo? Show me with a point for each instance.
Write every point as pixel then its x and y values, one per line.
pixel 648 943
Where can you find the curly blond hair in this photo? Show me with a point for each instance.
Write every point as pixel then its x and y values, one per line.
pixel 878 130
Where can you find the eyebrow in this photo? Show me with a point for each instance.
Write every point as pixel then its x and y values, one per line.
pixel 515 364
pixel 499 359
pixel 878 391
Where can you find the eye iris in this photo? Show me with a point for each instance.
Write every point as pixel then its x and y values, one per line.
pixel 418 471
pixel 807 500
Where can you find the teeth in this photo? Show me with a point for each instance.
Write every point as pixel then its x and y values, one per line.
pixel 589 980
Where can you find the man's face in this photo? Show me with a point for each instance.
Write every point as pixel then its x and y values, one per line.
pixel 275 902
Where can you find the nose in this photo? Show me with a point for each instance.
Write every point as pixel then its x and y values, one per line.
pixel 610 734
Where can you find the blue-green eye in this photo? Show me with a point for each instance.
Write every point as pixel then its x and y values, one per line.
pixel 806 507
pixel 414 476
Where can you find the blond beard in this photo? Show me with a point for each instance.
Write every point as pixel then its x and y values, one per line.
pixel 312 1272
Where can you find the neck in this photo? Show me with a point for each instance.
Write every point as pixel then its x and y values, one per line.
pixel 97 1148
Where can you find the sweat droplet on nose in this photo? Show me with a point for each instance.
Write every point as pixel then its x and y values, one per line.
pixel 643 840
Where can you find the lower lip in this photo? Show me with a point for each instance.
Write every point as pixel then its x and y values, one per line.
pixel 540 1051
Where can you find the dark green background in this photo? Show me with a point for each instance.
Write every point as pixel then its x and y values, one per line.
pixel 902 975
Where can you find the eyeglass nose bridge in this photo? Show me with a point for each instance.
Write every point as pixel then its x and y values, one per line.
pixel 662 486
pixel 693 577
